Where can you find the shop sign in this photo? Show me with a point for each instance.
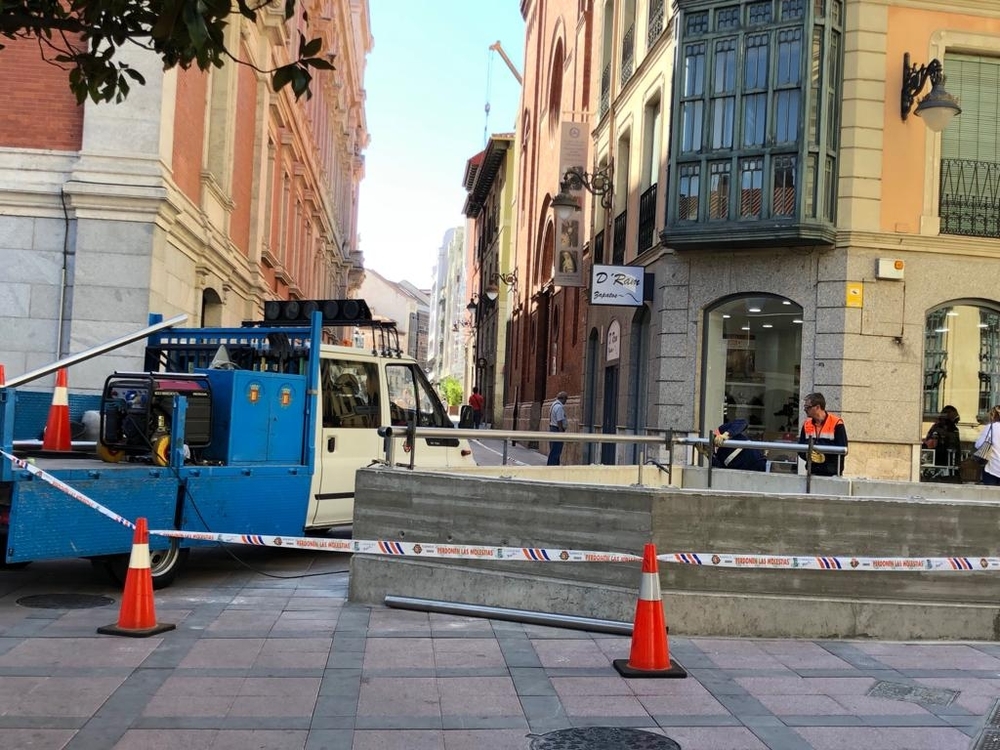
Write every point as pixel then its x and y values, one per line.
pixel 617 285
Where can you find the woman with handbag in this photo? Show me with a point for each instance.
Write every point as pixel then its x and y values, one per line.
pixel 988 449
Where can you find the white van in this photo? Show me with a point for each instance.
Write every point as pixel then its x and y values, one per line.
pixel 362 392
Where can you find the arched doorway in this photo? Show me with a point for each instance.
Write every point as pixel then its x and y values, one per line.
pixel 211 308
pixel 752 365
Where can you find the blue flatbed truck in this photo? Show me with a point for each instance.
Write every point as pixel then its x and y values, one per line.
pixel 250 430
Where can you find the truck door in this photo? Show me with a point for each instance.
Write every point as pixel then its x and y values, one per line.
pixel 411 398
pixel 348 436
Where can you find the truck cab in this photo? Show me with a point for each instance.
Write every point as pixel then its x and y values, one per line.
pixel 361 393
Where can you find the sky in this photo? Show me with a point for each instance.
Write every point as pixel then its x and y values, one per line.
pixel 428 79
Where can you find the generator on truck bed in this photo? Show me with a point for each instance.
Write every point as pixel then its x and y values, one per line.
pixel 251 430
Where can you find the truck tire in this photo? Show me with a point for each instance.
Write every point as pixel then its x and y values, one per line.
pixel 164 565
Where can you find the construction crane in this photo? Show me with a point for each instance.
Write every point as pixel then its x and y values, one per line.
pixel 495 47
pixel 499 49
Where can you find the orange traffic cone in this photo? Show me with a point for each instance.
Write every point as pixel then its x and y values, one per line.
pixel 3 377
pixel 137 617
pixel 650 654
pixel 57 430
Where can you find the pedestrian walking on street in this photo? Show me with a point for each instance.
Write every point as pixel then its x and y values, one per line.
pixel 476 402
pixel 557 423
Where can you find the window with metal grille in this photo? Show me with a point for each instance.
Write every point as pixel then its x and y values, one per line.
pixel 970 149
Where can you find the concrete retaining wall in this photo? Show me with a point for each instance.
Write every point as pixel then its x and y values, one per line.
pixel 476 509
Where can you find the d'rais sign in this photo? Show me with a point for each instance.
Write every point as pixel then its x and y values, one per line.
pixel 617 285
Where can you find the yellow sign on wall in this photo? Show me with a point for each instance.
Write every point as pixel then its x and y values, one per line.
pixel 855 294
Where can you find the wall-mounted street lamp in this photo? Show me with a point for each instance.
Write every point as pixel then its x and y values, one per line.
pixel 471 307
pixel 507 279
pixel 938 107
pixel 597 184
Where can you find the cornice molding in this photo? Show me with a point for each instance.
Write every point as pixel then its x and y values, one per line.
pixel 941 244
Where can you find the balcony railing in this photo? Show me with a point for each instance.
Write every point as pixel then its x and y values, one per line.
pixel 628 54
pixel 655 27
pixel 618 249
pixel 970 198
pixel 605 89
pixel 647 218
pixel 599 248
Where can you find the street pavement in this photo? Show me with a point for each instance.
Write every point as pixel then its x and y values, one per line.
pixel 268 653
pixel 490 452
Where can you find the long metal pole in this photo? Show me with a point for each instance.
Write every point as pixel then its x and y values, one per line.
pixel 572 622
pixel 94 351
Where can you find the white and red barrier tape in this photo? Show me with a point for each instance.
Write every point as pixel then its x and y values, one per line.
pixel 63 487
pixel 552 554
pixel 544 554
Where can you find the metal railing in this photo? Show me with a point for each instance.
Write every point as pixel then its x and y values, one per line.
pixel 628 54
pixel 970 198
pixel 605 104
pixel 654 26
pixel 618 239
pixel 647 219
pixel 668 439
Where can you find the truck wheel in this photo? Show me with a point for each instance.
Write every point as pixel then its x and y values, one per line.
pixel 164 565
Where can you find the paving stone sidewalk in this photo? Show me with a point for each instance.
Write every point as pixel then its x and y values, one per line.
pixel 283 662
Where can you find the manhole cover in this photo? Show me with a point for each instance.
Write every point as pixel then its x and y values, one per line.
pixel 989 739
pixel 602 738
pixel 65 601
pixel 912 693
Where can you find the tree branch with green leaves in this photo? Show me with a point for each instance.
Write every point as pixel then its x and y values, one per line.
pixel 84 37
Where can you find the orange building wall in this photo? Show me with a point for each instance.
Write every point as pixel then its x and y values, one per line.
pixel 25 74
pixel 243 158
pixel 189 131
pixel 903 160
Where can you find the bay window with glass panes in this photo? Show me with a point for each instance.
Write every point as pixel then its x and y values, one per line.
pixel 756 116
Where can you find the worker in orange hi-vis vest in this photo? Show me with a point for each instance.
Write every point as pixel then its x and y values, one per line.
pixel 825 429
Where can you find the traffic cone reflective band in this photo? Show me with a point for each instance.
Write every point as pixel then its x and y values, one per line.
pixel 137 617
pixel 650 654
pixel 57 431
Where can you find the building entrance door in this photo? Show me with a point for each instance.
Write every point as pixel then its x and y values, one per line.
pixel 609 424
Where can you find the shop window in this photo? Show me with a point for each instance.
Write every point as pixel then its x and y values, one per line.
pixel 753 353
pixel 961 360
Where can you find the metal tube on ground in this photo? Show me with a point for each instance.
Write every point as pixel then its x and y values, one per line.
pixel 571 622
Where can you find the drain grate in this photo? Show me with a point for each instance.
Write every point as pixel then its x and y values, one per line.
pixel 989 739
pixel 993 720
pixel 602 738
pixel 65 601
pixel 913 693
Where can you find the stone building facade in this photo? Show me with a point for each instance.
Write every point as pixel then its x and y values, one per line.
pixel 203 193
pixel 796 229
